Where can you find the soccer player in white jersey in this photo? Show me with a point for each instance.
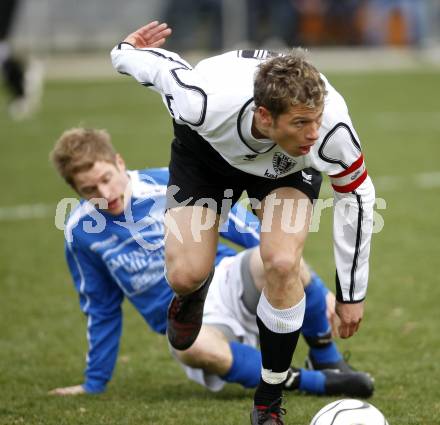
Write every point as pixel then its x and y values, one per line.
pixel 122 257
pixel 250 120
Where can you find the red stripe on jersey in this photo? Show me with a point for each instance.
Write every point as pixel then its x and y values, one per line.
pixel 352 186
pixel 356 164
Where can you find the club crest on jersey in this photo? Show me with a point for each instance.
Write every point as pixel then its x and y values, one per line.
pixel 282 164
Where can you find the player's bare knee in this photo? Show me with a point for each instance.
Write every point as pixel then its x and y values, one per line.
pixel 192 357
pixel 184 278
pixel 201 356
pixel 282 265
pixel 182 282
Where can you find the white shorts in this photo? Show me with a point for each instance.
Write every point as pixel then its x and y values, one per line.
pixel 224 306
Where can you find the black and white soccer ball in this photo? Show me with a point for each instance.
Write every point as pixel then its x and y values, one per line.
pixel 349 412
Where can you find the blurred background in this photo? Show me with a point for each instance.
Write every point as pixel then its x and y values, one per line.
pixel 396 32
pixel 57 25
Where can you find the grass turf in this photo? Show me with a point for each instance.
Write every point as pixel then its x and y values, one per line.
pixel 42 332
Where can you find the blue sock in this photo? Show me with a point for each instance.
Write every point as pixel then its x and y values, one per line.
pixel 246 365
pixel 312 381
pixel 315 323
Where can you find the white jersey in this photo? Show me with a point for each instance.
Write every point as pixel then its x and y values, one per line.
pixel 215 98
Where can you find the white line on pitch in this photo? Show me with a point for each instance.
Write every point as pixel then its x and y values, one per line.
pixel 26 212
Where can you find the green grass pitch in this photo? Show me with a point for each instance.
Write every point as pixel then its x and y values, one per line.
pixel 42 332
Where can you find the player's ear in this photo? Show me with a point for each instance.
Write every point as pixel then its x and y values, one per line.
pixel 265 116
pixel 120 163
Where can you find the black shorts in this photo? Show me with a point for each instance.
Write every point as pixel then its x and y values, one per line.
pixel 199 175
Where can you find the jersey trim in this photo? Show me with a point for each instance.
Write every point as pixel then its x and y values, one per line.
pixel 351 293
pixel 194 88
pixel 357 246
pixel 351 178
pixel 153 52
pixel 180 83
pixel 82 284
pixel 168 99
pixel 240 134
pixel 125 42
pixel 326 139
pixel 339 296
pixel 257 54
pixel 156 53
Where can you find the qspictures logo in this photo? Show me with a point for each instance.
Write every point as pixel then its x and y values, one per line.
pixel 144 215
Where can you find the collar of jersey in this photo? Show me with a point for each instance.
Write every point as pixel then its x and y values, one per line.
pixel 244 126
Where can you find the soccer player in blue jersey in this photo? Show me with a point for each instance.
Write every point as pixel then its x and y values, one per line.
pixel 115 250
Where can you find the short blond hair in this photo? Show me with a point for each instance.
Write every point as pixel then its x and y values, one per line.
pixel 78 149
pixel 289 80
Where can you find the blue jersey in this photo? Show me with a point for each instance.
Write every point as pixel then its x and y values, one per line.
pixel 116 257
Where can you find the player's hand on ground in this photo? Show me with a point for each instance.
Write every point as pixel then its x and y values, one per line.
pixel 332 317
pixel 350 316
pixel 153 34
pixel 74 390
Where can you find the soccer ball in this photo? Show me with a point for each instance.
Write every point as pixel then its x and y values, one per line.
pixel 349 412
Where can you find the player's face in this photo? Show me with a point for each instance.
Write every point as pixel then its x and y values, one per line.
pixel 297 130
pixel 105 181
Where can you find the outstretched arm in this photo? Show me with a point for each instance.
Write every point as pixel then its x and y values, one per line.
pixel 153 34
pixel 100 300
pixel 165 72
